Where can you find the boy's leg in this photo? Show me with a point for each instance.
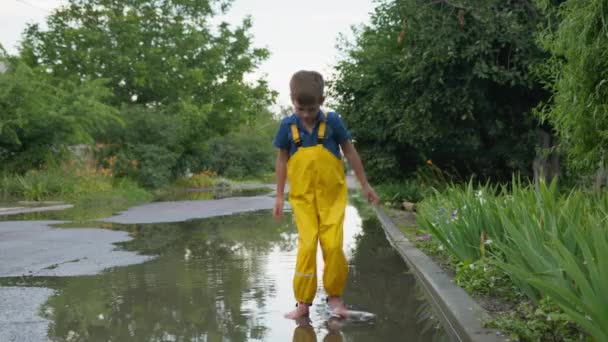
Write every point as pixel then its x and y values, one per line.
pixel 332 206
pixel 335 272
pixel 305 277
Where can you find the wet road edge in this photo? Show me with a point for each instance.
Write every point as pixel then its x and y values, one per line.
pixel 26 210
pixel 459 314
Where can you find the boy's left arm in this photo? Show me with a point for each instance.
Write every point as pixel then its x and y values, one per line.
pixel 355 162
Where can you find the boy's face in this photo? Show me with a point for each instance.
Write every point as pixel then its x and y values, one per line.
pixel 307 113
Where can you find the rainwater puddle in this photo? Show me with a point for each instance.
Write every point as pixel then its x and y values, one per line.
pixel 229 279
pixel 209 194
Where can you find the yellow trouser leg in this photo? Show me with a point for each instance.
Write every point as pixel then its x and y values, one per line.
pixel 333 337
pixel 332 205
pixel 304 334
pixel 335 272
pixel 305 278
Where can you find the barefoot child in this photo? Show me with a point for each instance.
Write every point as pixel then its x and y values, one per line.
pixel 309 144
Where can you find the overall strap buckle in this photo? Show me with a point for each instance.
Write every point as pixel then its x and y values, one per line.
pixel 295 133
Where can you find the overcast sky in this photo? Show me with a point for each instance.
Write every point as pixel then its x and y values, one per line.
pixel 301 34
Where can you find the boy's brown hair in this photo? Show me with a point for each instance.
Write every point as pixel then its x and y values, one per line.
pixel 307 87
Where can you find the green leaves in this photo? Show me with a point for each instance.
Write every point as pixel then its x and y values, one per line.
pixel 551 244
pixel 443 81
pixel 577 74
pixel 153 52
pixel 541 322
pixel 177 79
pixel 463 219
pixel 583 293
pixel 39 114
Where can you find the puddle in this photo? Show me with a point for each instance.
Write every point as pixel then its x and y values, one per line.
pixel 205 194
pixel 82 213
pixel 229 279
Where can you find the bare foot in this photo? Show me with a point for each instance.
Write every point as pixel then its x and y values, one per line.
pixel 303 321
pixel 334 324
pixel 337 307
pixel 300 311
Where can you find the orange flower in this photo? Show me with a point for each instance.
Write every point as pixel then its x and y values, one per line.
pixel 111 161
pixel 429 162
pixel 106 172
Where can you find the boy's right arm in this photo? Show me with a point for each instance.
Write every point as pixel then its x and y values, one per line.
pixel 281 174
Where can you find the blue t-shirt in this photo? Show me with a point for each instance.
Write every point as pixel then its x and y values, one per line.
pixel 335 134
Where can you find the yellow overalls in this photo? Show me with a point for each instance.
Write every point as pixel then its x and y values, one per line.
pixel 318 196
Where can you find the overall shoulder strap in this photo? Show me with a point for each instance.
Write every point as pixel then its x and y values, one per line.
pixel 296 135
pixel 321 133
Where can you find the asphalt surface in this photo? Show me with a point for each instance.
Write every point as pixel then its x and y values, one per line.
pixel 19 319
pixel 33 248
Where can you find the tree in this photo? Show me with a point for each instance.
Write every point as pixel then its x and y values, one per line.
pixel 154 52
pixel 40 115
pixel 446 81
pixel 577 74
pixel 163 56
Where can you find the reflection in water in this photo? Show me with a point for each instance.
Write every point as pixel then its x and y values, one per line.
pixel 208 194
pixel 229 279
pixel 305 332
pixel 96 209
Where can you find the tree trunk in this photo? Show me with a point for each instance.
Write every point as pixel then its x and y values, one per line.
pixel 547 164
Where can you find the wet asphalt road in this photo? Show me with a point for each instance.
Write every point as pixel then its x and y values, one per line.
pixel 34 248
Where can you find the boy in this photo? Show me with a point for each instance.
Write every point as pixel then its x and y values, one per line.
pixel 309 155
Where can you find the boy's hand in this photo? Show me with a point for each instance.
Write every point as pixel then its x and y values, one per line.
pixel 370 195
pixel 277 212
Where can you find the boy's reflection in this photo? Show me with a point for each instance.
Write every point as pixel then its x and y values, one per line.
pixel 304 332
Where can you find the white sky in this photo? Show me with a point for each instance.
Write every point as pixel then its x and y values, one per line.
pixel 300 34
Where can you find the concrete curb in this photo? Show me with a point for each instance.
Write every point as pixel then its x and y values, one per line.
pixel 459 314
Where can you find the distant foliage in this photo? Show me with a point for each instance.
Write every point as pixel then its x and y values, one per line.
pixel 40 116
pixel 442 80
pixel 174 79
pixel 577 75
pixel 241 154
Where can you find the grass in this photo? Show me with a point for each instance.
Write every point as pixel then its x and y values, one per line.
pixel 551 244
pixel 492 288
pixel 94 193
pixel 395 193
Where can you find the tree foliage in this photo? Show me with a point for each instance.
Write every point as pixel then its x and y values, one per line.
pixel 577 75
pixel 178 77
pixel 155 53
pixel 443 80
pixel 40 115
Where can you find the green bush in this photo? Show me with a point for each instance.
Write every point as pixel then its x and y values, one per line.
pixel 408 190
pixel 42 116
pixel 416 188
pixel 38 185
pixel 241 154
pixel 542 322
pixel 483 277
pixel 549 243
pixel 71 183
pixel 200 180
pixel 155 148
pixel 443 80
pixel 460 218
pixel 570 265
pixel 150 165
pixel 576 38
